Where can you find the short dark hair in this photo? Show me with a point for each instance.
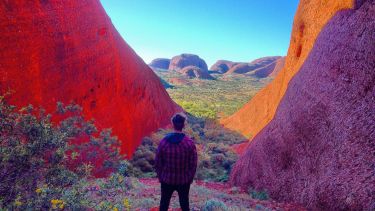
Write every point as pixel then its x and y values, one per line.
pixel 178 121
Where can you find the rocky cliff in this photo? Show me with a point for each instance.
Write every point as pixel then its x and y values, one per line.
pixel 311 17
pixel 319 149
pixel 68 50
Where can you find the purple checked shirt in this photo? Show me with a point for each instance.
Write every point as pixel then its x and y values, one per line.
pixel 176 159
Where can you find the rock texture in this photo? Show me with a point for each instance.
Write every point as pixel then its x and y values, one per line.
pixel 68 50
pixel 222 66
pixel 184 60
pixel 311 17
pixel 160 63
pixel 196 72
pixel 319 150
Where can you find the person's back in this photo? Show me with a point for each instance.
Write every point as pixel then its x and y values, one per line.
pixel 176 163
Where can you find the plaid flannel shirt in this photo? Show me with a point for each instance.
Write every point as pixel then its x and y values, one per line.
pixel 176 163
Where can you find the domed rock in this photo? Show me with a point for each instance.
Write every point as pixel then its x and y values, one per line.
pixel 196 72
pixel 63 51
pixel 242 68
pixel 184 60
pixel 264 61
pixel 310 18
pixel 222 66
pixel 270 69
pixel 319 148
pixel 160 63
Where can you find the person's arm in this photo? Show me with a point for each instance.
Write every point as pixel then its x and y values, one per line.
pixel 159 160
pixel 193 162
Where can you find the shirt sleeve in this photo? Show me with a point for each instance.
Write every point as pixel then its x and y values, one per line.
pixel 159 160
pixel 193 162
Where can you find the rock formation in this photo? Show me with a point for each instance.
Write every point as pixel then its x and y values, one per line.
pixel 242 68
pixel 196 72
pixel 310 18
pixel 222 66
pixel 319 149
pixel 280 63
pixel 269 69
pixel 184 60
pixel 160 63
pixel 68 50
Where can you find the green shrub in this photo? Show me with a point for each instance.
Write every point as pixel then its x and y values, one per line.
pixel 214 205
pixel 44 164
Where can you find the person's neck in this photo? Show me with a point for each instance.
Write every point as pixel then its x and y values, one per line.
pixel 178 131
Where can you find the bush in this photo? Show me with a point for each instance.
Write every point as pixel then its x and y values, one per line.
pixel 44 162
pixel 214 205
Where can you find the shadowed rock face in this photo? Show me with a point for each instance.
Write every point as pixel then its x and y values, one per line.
pixel 68 50
pixel 222 66
pixel 311 17
pixel 184 60
pixel 160 63
pixel 196 72
pixel 319 150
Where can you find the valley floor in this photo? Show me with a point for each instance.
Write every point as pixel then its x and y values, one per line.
pixel 146 196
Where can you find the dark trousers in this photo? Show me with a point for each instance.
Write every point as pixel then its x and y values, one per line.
pixel 166 194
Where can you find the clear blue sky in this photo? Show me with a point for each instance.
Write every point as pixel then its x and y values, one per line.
pixel 237 30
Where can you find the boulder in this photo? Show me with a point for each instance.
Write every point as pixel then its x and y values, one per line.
pixel 68 50
pixel 184 60
pixel 319 149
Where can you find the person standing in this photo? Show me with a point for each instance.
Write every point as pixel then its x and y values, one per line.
pixel 176 164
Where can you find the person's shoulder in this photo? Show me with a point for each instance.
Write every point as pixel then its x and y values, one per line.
pixel 189 140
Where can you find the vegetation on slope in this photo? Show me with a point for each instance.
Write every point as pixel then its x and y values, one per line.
pixel 212 98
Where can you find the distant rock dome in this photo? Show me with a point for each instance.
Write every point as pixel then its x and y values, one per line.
pixel 184 60
pixel 160 63
pixel 196 72
pixel 222 66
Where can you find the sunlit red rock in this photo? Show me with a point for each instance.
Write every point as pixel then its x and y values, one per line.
pixel 222 66
pixel 184 60
pixel 68 50
pixel 319 150
pixel 311 17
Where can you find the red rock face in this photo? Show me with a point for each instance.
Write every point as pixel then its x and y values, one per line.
pixel 68 50
pixel 311 17
pixel 319 150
